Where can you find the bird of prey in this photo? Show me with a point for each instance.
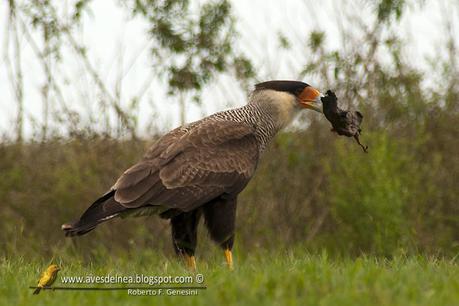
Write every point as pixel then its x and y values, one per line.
pixel 200 168
pixel 47 278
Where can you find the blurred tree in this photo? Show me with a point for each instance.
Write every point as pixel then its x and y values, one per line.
pixel 14 66
pixel 386 9
pixel 192 45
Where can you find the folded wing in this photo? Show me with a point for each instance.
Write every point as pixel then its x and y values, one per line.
pixel 191 166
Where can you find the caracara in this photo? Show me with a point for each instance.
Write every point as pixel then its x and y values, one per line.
pixel 200 168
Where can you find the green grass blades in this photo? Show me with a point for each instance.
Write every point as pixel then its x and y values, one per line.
pixel 260 278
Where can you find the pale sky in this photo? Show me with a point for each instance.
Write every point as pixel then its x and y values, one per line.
pixel 115 42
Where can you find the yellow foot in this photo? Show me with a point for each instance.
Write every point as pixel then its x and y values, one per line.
pixel 190 262
pixel 229 258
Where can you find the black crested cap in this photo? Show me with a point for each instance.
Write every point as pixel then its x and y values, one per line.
pixel 293 87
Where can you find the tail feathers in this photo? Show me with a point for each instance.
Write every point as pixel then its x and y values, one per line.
pixel 103 209
pixel 37 291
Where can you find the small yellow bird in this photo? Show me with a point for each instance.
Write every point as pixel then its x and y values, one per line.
pixel 47 278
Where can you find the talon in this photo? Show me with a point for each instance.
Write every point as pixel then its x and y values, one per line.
pixel 229 258
pixel 190 262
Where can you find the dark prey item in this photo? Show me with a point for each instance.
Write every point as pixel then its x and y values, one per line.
pixel 345 123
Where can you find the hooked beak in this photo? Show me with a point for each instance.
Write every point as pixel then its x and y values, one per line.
pixel 310 98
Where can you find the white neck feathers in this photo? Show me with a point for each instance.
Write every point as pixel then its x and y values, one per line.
pixel 281 105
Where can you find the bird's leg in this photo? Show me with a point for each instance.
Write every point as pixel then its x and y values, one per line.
pixel 187 256
pixel 184 236
pixel 190 262
pixel 227 246
pixel 220 216
pixel 229 259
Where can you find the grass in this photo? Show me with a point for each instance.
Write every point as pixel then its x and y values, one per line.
pixel 285 278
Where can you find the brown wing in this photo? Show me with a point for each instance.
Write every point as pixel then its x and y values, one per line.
pixel 191 166
pixel 137 175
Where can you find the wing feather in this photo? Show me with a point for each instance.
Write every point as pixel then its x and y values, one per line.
pixel 190 166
